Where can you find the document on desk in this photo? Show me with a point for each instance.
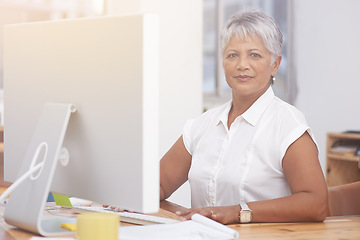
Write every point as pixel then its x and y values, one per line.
pixel 198 228
pixel 50 238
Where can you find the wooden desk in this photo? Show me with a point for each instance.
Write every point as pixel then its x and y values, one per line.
pixel 344 228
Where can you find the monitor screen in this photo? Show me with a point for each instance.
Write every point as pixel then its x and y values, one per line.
pixel 108 68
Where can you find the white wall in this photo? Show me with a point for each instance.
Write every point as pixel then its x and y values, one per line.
pixel 180 61
pixel 327 60
pixel 180 67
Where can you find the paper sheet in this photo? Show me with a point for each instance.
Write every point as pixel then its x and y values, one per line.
pixel 50 238
pixel 62 200
pixel 191 230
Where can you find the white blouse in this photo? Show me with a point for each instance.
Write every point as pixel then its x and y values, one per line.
pixel 243 163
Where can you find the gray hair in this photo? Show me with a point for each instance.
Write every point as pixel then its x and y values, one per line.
pixel 253 22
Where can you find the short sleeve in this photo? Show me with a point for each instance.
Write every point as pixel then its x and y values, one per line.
pixel 187 136
pixel 299 127
pixel 291 138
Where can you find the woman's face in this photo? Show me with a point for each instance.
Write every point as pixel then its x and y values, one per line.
pixel 247 66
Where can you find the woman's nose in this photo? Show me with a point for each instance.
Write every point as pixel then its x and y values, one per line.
pixel 242 64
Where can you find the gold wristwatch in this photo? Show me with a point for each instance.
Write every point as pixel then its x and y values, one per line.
pixel 245 213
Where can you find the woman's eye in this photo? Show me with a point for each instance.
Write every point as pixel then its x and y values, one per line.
pixel 255 55
pixel 232 55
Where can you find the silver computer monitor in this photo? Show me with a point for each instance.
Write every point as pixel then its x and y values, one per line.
pixel 108 68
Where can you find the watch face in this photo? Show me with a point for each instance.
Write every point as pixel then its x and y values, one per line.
pixel 245 216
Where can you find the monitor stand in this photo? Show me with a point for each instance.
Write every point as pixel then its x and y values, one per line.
pixel 26 204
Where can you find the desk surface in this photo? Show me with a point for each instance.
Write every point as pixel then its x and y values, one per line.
pixel 333 228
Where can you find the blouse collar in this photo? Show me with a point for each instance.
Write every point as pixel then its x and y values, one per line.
pixel 253 114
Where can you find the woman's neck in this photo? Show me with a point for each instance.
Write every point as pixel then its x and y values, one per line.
pixel 241 104
pixel 237 108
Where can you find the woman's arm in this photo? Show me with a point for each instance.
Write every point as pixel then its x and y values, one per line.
pixel 174 168
pixel 308 199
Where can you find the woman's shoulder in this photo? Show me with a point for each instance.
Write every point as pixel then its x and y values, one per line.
pixel 285 110
pixel 195 128
pixel 209 117
pixel 214 112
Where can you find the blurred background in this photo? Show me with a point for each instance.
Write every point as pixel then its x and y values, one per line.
pixel 320 69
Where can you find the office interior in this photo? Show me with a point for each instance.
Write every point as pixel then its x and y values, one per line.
pixel 322 62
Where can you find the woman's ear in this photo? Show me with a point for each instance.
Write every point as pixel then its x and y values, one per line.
pixel 275 65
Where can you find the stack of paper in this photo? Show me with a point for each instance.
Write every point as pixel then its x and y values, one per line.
pixel 198 228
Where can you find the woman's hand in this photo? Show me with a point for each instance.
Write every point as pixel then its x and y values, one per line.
pixel 224 215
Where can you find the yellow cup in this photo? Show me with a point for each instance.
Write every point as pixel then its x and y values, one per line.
pixel 97 226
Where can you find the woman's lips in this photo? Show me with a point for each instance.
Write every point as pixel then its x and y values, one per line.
pixel 243 78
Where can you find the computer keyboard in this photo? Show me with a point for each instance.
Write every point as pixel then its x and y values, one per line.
pixel 136 218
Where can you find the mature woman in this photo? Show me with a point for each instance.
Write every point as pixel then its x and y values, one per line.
pixel 254 159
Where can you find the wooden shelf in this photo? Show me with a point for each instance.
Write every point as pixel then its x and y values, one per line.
pixel 342 168
pixel 344 158
pixel 352 136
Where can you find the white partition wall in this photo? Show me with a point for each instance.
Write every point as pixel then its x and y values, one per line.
pixel 180 66
pixel 327 56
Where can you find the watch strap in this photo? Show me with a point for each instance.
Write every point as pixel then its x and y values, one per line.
pixel 244 207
